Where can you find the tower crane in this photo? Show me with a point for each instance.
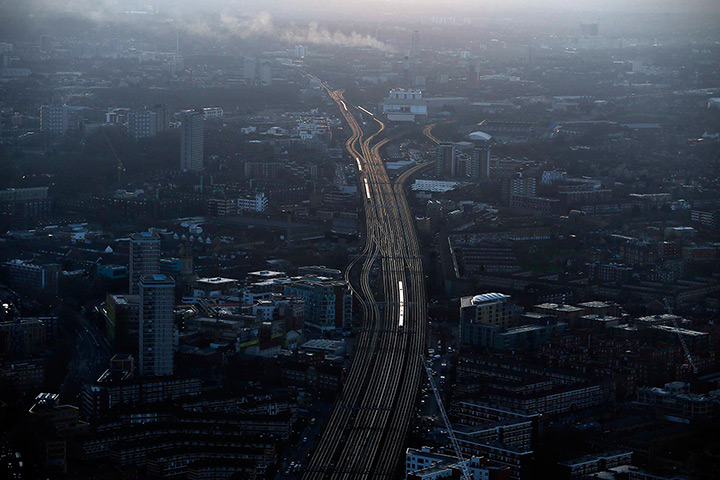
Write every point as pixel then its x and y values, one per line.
pixel 466 475
pixel 120 166
pixel 685 348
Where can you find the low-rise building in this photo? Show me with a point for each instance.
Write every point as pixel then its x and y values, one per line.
pixel 25 274
pixel 493 424
pixel 404 105
pixel 524 337
pixel 323 376
pixel 589 464
pixel 426 185
pixel 328 303
pixel 213 112
pixel 488 309
pixel 22 337
pixel 425 464
pixel 118 386
pixel 54 425
pixel 331 348
pixel 24 376
pixel 212 287
pixel 528 388
pixel 565 313
pixel 675 401
pixel 518 461
pixel 23 207
pixel 112 272
pixel 257 202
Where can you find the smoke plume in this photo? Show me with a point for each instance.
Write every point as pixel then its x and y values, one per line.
pixel 262 25
pixel 222 22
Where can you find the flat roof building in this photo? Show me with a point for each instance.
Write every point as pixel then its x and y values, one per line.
pixel 488 309
pixel 404 105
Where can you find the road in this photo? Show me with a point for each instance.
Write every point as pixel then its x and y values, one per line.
pixel 365 434
pixel 92 354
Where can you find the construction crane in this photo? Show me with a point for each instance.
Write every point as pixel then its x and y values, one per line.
pixel 120 166
pixel 685 348
pixel 466 475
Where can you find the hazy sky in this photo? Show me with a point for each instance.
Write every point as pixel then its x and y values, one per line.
pixel 335 22
pixel 478 6
pixel 427 7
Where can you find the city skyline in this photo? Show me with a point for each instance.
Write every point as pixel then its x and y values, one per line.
pixel 359 240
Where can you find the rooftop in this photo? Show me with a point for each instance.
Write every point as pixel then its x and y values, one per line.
pixel 216 280
pixel 680 331
pixel 125 299
pixel 266 273
pixel 479 136
pixel 144 236
pixel 596 304
pixel 558 307
pixel 601 318
pixel 489 297
pixel 156 278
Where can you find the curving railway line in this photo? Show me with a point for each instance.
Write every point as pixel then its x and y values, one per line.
pixel 365 434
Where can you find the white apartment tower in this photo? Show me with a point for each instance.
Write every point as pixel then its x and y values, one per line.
pixel 157 299
pixel 191 141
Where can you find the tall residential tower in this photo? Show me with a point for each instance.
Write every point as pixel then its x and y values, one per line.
pixel 144 257
pixel 445 160
pixel 157 299
pixel 191 141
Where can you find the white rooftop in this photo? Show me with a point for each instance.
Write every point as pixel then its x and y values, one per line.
pixel 479 136
pixel 488 297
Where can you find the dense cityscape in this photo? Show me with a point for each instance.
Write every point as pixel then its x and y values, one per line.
pixel 370 240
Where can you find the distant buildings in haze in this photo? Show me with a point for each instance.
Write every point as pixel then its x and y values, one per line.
pixel 191 140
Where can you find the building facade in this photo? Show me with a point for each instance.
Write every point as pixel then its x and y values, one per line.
pixel 122 317
pixel 252 203
pixel 404 105
pixel 142 124
pixel 24 274
pixel 54 119
pixel 445 160
pixel 22 207
pixel 328 303
pixel 144 257
pixel 480 163
pixel 494 309
pixel 156 330
pixel 191 141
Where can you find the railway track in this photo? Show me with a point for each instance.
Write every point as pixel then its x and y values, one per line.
pixel 365 434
